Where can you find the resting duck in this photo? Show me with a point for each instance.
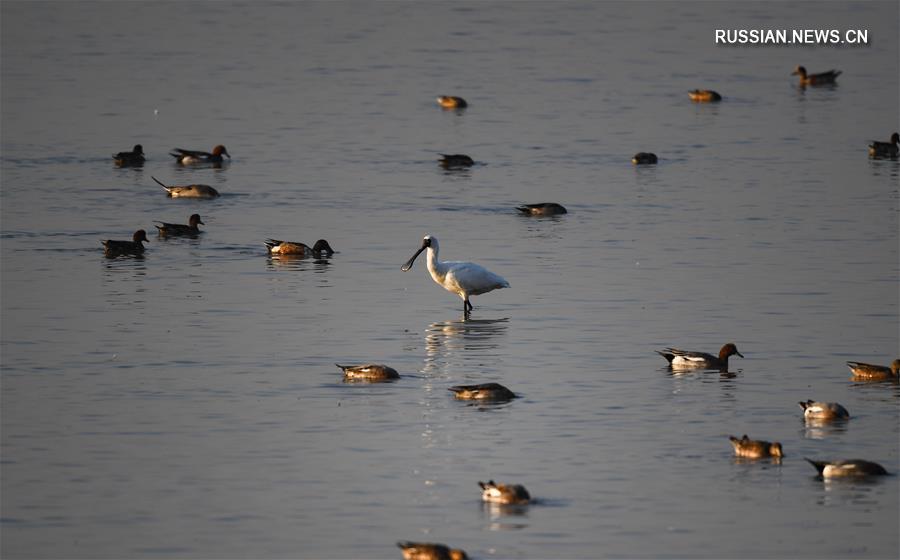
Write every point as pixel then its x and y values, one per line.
pixel 823 78
pixel 134 158
pixel 643 158
pixel 189 157
pixel 847 468
pixel 504 493
pixel 542 209
pixel 881 149
pixel 870 372
pixel 452 102
pixel 448 161
pixel 278 247
pixel 704 96
pixel 685 359
pixel 813 410
pixel 430 551
pixel 189 191
pixel 755 448
pixel 482 392
pixel 369 372
pixel 167 229
pixel 114 248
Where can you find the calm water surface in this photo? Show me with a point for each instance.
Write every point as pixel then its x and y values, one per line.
pixel 186 405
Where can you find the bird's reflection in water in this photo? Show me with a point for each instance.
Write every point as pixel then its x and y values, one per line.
pixel 298 262
pixel 505 517
pixel 454 343
pixel 818 428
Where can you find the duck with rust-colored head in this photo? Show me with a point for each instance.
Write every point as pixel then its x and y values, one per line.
pixel 820 79
pixel 170 230
pixel 135 247
pixel 685 359
pixel 191 157
pixel 870 372
pixel 452 102
pixel 134 158
pixel 755 448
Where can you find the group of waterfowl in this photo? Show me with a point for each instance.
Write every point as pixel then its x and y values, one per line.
pixel 466 279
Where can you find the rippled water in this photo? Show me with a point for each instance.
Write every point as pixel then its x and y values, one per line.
pixel 186 405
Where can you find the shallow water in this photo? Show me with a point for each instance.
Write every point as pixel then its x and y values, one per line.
pixel 186 405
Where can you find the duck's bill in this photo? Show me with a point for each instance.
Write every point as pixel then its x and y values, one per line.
pixel 411 260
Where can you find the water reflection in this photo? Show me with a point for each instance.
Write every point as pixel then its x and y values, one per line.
pixel 298 262
pixel 454 342
pixel 817 428
pixel 505 517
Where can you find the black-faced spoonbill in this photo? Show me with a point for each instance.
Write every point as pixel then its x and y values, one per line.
pixel 462 278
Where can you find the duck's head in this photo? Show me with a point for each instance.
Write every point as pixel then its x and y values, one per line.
pixel 775 450
pixel 140 235
pixel 220 151
pixel 138 149
pixel 895 138
pixel 799 71
pixel 729 350
pixel 194 220
pixel 895 365
pixel 322 246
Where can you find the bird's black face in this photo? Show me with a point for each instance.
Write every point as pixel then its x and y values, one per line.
pixel 426 243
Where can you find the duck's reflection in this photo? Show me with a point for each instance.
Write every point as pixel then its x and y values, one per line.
pixel 819 428
pixel 505 517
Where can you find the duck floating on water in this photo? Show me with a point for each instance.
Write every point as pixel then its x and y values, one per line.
pixel 871 372
pixel 644 158
pixel 704 96
pixel 755 448
pixel 828 411
pixel 694 360
pixel 454 161
pixel 482 392
pixel 452 102
pixel 135 247
pixel 507 494
pixel 848 468
pixel 188 191
pixel 191 157
pixel 542 209
pixel 278 247
pixel 134 158
pixel 170 230
pixel 820 79
pixel 886 149
pixel 369 372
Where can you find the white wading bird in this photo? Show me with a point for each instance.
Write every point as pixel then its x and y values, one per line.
pixel 462 278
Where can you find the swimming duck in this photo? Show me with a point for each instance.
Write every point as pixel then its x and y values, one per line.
pixel 755 448
pixel 847 468
pixel 642 158
pixel 449 161
pixel 542 209
pixel 114 248
pixel 504 493
pixel 686 359
pixel 277 247
pixel 430 551
pixel 704 95
pixel 369 372
pixel 482 392
pixel 885 149
pixel 167 229
pixel 134 158
pixel 189 157
pixel 823 410
pixel 452 102
pixel 189 191
pixel 823 78
pixel 871 372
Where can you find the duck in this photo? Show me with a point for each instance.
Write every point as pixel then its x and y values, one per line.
pixel 482 392
pixel 189 157
pixel 507 494
pixel 278 247
pixel 813 410
pixel 755 448
pixel 369 372
pixel 452 102
pixel 644 158
pixel 430 551
pixel 704 96
pixel 188 191
pixel 115 248
pixel 542 209
pixel 464 279
pixel 870 372
pixel 847 468
pixel 822 78
pixel 134 158
pixel 451 161
pixel 686 359
pixel 167 229
pixel 885 149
